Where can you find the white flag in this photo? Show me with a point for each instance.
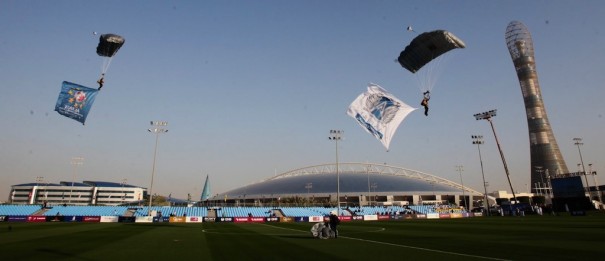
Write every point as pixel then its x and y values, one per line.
pixel 379 113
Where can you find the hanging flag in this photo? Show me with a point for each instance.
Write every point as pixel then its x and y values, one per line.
pixel 75 101
pixel 379 113
pixel 206 190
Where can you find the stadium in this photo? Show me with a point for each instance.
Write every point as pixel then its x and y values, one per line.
pixel 364 189
pixel 361 184
pixel 385 208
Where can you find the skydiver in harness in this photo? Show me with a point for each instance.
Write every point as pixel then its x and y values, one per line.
pixel 425 102
pixel 101 81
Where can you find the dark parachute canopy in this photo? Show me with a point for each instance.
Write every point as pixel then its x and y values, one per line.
pixel 426 47
pixel 109 44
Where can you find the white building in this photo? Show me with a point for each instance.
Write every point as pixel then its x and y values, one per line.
pixel 85 193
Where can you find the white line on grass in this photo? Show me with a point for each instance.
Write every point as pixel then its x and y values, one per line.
pixel 404 246
pixel 422 248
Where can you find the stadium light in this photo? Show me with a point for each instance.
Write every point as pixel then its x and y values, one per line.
pixel 374 186
pixel 158 127
pixel 478 139
pixel 309 186
pixel 336 135
pixel 578 142
pixel 75 162
pixel 594 177
pixel 459 168
pixel 540 171
pixel 124 196
pixel 488 115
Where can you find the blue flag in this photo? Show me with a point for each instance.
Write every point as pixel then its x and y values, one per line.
pixel 75 101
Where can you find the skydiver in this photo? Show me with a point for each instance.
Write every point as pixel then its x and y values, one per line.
pixel 101 81
pixel 425 102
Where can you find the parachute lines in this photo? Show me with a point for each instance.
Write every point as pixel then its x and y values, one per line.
pixel 109 44
pixel 424 56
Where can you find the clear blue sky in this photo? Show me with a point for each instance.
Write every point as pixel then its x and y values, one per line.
pixel 251 88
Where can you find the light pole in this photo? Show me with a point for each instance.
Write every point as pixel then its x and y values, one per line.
pixel 488 116
pixel 75 162
pixel 309 186
pixel 374 186
pixel 549 187
pixel 540 171
pixel 459 168
pixel 578 142
pixel 336 135
pixel 594 178
pixel 124 196
pixel 157 127
pixel 478 139
pixel 369 192
pixel 40 180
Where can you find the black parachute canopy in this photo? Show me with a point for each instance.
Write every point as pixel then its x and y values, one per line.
pixel 109 44
pixel 426 47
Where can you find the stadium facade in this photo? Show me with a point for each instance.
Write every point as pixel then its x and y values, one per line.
pixel 361 184
pixel 75 193
pixel 544 151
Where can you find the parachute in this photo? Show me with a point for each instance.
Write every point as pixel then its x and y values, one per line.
pixel 109 44
pixel 425 48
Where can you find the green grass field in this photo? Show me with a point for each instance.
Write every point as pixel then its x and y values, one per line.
pixel 496 238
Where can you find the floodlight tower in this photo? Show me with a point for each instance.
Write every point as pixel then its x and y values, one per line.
pixel 544 150
pixel 158 127
pixel 578 142
pixel 336 135
pixel 478 139
pixel 488 115
pixel 75 162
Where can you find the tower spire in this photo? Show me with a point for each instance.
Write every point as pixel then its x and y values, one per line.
pixel 544 150
pixel 206 191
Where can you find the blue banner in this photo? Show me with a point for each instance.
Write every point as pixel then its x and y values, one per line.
pixel 75 101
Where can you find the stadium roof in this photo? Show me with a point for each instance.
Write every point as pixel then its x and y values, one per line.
pixel 355 179
pixel 108 184
pixel 85 183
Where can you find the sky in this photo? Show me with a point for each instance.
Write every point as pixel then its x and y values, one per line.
pixel 251 89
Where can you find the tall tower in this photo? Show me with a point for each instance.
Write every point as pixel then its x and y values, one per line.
pixel 545 154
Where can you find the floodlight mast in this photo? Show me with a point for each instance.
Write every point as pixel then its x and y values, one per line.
pixel 594 178
pixel 488 116
pixel 460 168
pixel 578 142
pixel 158 127
pixel 75 162
pixel 478 140
pixel 336 135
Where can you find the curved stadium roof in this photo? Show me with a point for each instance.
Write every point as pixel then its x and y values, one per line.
pixel 355 179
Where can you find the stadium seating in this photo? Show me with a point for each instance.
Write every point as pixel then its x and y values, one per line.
pixel 18 210
pixel 86 211
pixel 25 210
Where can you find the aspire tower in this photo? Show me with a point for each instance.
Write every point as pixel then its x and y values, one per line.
pixel 546 158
